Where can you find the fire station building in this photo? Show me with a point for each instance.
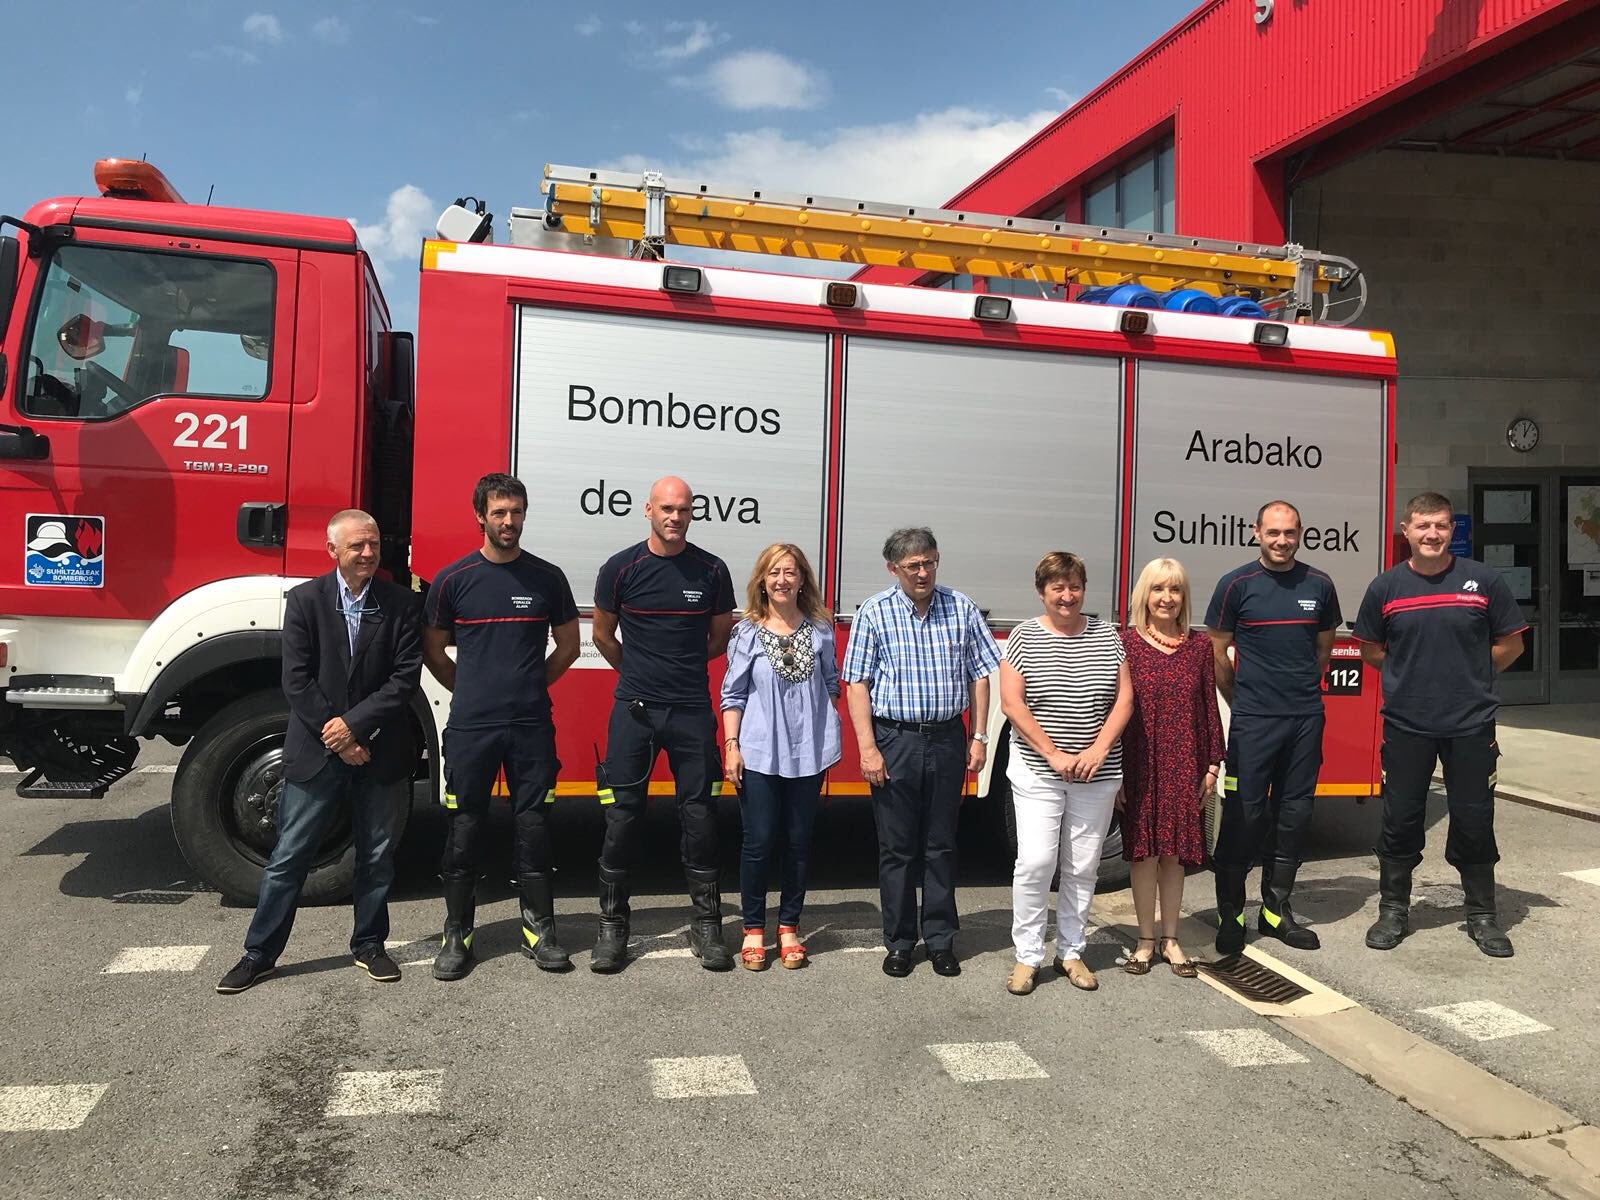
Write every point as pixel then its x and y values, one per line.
pixel 1451 148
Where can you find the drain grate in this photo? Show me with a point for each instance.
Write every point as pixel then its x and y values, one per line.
pixel 1252 980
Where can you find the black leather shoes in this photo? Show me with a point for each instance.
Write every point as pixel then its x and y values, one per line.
pixel 897 963
pixel 944 962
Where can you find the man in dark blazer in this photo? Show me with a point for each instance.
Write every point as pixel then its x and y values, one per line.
pixel 352 657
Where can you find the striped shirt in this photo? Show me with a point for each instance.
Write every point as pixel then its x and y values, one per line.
pixel 1069 685
pixel 918 668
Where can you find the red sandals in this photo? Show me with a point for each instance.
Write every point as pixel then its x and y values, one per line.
pixel 753 954
pixel 792 954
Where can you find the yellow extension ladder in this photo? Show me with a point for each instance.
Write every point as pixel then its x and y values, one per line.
pixel 651 211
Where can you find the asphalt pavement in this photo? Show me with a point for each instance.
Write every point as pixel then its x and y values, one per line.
pixel 670 1081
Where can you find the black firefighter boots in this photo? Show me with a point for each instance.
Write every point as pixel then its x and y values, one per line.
pixel 611 946
pixel 454 959
pixel 1394 905
pixel 705 931
pixel 1277 918
pixel 1477 882
pixel 539 923
pixel 1230 909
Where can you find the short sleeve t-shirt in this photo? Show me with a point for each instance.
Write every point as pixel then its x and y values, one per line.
pixel 664 607
pixel 1438 676
pixel 501 615
pixel 1069 685
pixel 1275 617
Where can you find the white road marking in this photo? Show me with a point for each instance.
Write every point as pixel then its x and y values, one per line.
pixel 58 1107
pixel 1592 875
pixel 1247 1047
pixel 671 952
pixel 1484 1020
pixel 376 1093
pixel 133 959
pixel 985 1062
pixel 862 950
pixel 705 1075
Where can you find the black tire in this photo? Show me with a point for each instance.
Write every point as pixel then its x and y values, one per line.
pixel 1115 871
pixel 225 800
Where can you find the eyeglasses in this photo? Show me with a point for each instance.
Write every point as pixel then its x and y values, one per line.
pixel 918 566
pixel 366 610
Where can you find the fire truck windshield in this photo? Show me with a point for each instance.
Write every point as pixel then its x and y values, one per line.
pixel 113 328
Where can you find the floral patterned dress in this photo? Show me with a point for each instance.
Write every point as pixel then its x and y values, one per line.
pixel 1175 734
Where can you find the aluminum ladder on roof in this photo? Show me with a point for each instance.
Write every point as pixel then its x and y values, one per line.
pixel 650 211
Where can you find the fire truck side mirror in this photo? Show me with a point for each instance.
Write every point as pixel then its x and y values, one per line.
pixel 82 337
pixel 10 259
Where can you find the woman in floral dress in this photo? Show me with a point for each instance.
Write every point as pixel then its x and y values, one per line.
pixel 1171 754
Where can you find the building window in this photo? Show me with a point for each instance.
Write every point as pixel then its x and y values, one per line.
pixel 1138 194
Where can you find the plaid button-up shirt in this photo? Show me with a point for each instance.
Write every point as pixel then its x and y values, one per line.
pixel 918 668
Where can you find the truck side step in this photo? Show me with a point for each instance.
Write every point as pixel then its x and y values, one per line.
pixel 35 786
pixel 62 697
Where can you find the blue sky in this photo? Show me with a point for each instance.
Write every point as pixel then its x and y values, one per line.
pixel 384 113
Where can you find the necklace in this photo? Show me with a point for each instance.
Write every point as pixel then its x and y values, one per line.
pixel 1162 639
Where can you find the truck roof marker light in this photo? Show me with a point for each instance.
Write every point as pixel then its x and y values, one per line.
pixel 131 179
pixel 680 279
pixel 840 295
pixel 1135 321
pixel 992 308
pixel 1270 333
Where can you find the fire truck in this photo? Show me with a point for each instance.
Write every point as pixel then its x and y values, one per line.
pixel 187 393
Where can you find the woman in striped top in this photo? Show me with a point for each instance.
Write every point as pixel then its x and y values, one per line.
pixel 1064 688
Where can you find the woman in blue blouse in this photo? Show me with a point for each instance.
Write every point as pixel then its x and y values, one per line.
pixel 781 733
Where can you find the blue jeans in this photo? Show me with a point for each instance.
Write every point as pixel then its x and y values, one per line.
pixel 774 805
pixel 305 813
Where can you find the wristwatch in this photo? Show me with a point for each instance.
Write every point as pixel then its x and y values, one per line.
pixel 981 738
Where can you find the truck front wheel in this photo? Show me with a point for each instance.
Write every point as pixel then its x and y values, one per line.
pixel 225 805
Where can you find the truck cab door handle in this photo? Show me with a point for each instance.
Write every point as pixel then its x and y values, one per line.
pixel 262 523
pixel 19 441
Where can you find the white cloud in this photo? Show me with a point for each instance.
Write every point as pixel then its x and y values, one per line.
pixel 264 27
pixel 408 217
pixel 418 18
pixel 590 25
pixel 698 36
pixel 1064 98
pixel 331 31
pixel 633 28
pixel 924 160
pixel 754 79
pixel 134 94
pixel 226 54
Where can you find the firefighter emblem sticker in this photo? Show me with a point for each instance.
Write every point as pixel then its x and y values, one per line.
pixel 64 551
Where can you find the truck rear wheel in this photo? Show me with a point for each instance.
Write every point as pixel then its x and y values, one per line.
pixel 225 805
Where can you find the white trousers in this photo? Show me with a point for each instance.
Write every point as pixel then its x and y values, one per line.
pixel 1060 825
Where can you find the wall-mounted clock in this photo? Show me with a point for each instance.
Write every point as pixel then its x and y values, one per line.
pixel 1522 434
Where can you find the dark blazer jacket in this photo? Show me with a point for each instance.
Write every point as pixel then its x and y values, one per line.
pixel 371 689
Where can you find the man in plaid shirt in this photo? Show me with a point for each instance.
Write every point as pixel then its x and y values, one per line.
pixel 919 656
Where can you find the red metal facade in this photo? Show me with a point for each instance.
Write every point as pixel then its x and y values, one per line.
pixel 1240 98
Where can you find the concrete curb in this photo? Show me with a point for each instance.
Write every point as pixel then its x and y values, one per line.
pixel 1534 798
pixel 1540 1141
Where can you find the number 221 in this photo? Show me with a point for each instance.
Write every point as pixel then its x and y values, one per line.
pixel 219 426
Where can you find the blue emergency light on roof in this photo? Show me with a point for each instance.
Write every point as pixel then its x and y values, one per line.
pixel 1240 306
pixel 1189 300
pixel 680 279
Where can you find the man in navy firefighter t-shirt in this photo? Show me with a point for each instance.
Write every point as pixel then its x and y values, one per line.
pixel 503 607
pixel 1439 628
pixel 674 605
pixel 1279 615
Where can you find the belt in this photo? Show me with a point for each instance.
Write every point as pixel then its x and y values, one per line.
pixel 918 726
